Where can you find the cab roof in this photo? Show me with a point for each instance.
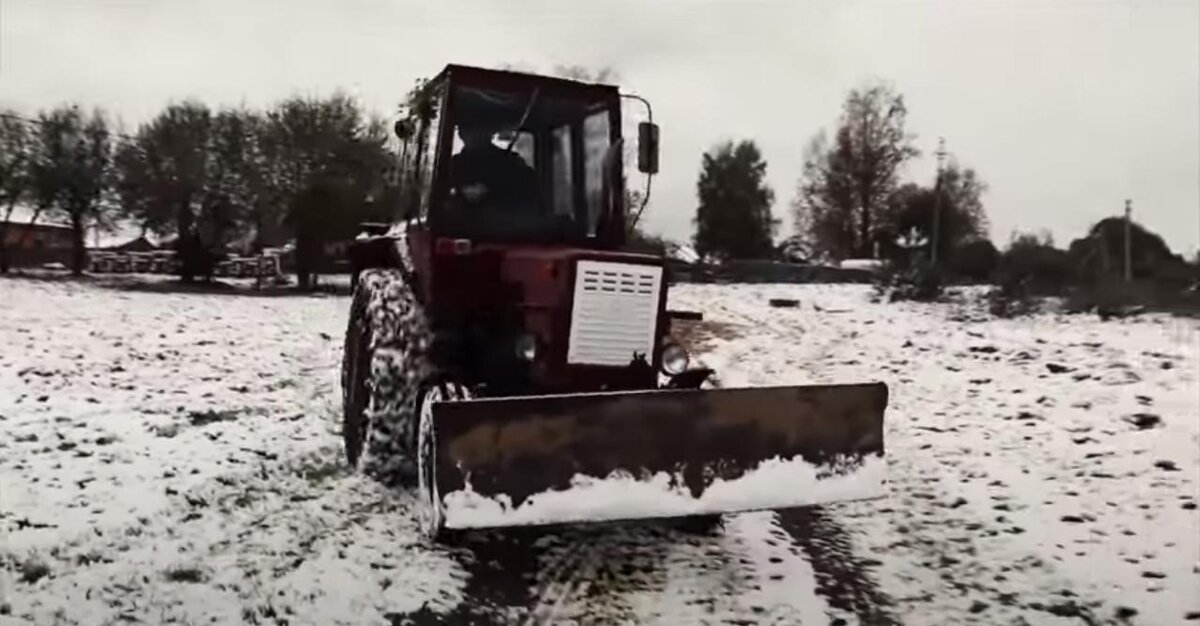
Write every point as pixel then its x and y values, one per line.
pixel 509 79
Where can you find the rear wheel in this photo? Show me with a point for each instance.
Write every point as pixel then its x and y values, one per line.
pixel 433 517
pixel 356 370
pixel 383 363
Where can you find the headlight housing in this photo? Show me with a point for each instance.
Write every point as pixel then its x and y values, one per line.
pixel 526 347
pixel 674 359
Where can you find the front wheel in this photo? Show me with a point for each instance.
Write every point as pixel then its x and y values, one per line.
pixel 433 518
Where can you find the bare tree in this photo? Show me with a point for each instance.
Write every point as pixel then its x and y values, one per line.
pixel 844 186
pixel 81 159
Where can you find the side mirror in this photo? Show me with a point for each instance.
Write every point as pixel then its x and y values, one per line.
pixel 403 130
pixel 648 148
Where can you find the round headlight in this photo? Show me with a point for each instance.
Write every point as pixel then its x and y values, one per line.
pixel 674 359
pixel 526 347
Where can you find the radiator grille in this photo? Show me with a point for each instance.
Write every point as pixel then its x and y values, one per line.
pixel 614 312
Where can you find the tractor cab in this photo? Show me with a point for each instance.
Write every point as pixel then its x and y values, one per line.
pixel 505 157
pixel 514 215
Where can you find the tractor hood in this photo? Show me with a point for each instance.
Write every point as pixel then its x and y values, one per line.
pixel 500 276
pixel 592 315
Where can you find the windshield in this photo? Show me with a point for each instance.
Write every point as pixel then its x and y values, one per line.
pixel 524 166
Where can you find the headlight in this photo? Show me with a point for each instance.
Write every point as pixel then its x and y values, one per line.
pixel 526 347
pixel 674 359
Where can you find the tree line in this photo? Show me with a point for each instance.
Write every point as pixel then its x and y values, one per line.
pixel 309 170
pixel 306 170
pixel 850 202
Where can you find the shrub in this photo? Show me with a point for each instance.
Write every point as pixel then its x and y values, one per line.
pixel 975 260
pixel 1036 264
pixel 918 283
pixel 1012 298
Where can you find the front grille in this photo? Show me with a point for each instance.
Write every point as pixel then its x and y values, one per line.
pixel 614 313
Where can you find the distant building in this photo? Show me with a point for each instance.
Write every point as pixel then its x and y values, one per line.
pixel 21 236
pixel 46 241
pixel 140 244
pixel 44 234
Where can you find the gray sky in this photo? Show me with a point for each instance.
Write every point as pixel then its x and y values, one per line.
pixel 1065 108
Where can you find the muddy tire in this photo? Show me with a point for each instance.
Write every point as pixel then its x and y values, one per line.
pixel 432 516
pixel 356 371
pixel 385 360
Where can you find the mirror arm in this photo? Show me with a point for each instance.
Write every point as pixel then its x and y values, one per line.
pixel 649 177
pixel 649 109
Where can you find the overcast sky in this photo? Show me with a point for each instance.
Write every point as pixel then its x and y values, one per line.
pixel 1065 108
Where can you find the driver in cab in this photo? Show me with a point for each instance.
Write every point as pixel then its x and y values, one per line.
pixel 486 175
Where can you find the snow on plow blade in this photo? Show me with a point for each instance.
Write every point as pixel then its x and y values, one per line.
pixel 651 454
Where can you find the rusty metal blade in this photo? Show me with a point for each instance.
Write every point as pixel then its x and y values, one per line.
pixel 661 453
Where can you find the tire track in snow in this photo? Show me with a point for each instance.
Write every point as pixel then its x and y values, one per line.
pixel 951 548
pixel 645 572
pixel 498 568
pixel 842 577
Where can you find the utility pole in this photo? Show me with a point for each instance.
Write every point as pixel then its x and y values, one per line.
pixel 1128 239
pixel 937 202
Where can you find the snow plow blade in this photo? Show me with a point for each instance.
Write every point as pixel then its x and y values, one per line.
pixel 536 460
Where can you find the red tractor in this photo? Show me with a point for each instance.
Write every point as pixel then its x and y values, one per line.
pixel 506 355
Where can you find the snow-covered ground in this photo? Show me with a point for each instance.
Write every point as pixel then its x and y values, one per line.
pixel 175 457
pixel 1021 486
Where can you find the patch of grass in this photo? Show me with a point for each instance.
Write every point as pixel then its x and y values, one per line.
pixel 185 574
pixel 243 500
pixel 697 337
pixel 166 431
pixel 286 383
pixel 90 557
pixel 1012 299
pixel 8 561
pixel 34 569
pixel 917 283
pixel 321 473
pixel 204 418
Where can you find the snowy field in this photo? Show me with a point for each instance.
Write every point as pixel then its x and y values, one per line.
pixel 175 458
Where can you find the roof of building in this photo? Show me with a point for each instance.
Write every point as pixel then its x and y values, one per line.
pixel 22 213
